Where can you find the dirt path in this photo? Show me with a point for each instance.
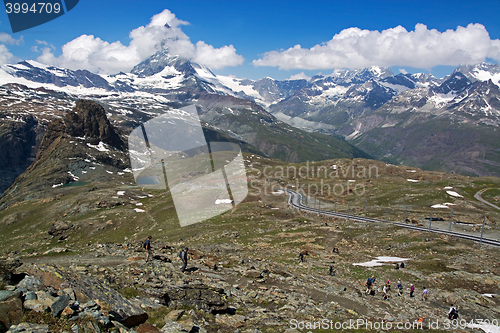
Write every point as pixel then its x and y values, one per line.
pixel 316 295
pixel 78 259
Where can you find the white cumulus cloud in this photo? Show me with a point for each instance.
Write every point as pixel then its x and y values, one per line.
pixel 8 39
pixel 5 56
pixel 420 48
pixel 163 31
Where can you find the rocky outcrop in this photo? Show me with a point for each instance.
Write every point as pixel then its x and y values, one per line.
pixel 11 312
pixel 201 296
pixel 86 289
pixel 29 328
pixel 7 268
pixel 19 140
pixel 88 119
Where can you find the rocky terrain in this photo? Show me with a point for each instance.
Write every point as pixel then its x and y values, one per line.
pixel 73 225
pixel 253 281
pixel 73 259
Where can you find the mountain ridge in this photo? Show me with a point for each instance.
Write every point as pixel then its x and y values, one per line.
pixel 349 103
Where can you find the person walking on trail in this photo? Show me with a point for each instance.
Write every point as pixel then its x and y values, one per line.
pixel 331 272
pixel 184 258
pixel 301 257
pixel 147 247
pixel 400 288
pixel 385 290
pixel 412 290
pixel 425 293
pixel 453 313
pixel 369 284
pixel 388 285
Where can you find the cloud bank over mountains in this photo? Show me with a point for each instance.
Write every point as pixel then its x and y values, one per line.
pixel 351 48
pixel 421 48
pixel 163 31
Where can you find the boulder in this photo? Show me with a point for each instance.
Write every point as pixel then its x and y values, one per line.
pixel 58 228
pixel 87 289
pixel 36 305
pixel 11 312
pixel 201 296
pixel 29 328
pixel 6 295
pixel 58 306
pixel 162 257
pixel 173 327
pixel 253 273
pixel 45 298
pixel 30 283
pixel 231 321
pixel 147 328
pixel 7 268
pixel 174 315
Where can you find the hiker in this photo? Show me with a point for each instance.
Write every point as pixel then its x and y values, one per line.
pixel 385 290
pixel 402 265
pixel 331 272
pixel 452 314
pixel 388 285
pixel 400 289
pixel 425 293
pixel 147 247
pixel 369 284
pixel 412 289
pixel 184 257
pixel 397 266
pixel 301 257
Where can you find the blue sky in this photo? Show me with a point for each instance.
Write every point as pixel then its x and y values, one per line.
pixel 263 34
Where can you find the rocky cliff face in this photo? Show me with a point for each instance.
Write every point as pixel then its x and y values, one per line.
pixel 81 147
pixel 87 120
pixel 24 116
pixel 19 142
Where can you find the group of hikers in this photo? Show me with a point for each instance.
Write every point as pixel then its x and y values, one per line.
pixel 453 312
pixel 183 255
pixel 387 288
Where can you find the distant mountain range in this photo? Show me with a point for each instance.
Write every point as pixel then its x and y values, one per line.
pixel 34 95
pixel 449 124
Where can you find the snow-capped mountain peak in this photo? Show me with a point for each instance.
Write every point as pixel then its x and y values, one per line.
pixel 481 72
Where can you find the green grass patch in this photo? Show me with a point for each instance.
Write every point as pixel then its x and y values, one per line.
pixel 129 292
pixel 157 316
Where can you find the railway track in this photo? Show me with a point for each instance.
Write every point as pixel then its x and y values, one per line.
pixel 295 201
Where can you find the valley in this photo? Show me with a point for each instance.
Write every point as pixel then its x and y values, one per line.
pixel 410 149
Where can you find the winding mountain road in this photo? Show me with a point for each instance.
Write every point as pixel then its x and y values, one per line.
pixel 479 197
pixel 294 200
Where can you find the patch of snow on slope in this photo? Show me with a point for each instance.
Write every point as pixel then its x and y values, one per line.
pixel 235 85
pixel 442 99
pixel 454 194
pixel 101 147
pixel 485 76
